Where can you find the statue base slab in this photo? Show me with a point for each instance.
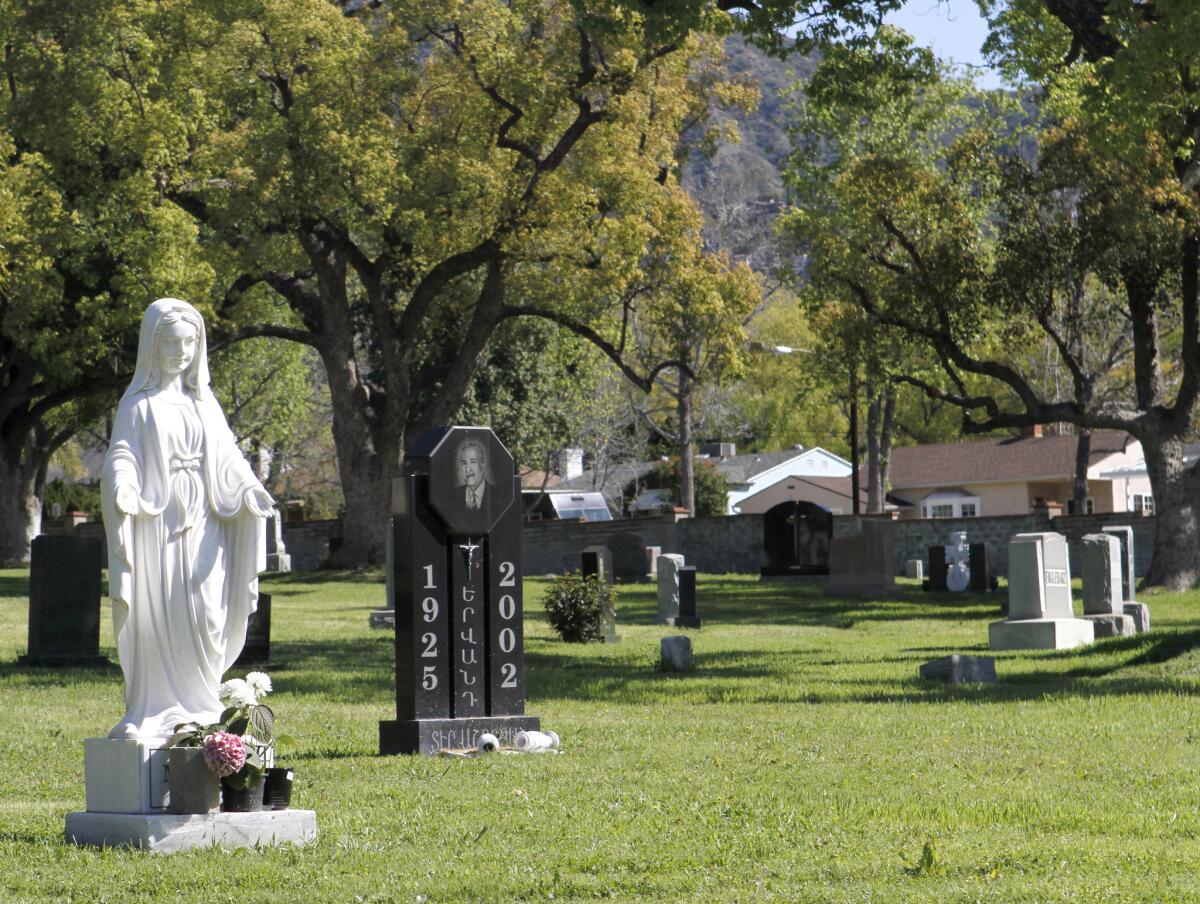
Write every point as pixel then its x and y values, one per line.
pixel 166 833
pixel 125 776
pixel 431 735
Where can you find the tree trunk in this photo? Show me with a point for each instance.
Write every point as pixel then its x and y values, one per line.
pixel 366 472
pixel 854 486
pixel 1176 563
pixel 20 505
pixel 1083 455
pixel 886 433
pixel 687 477
pixel 874 459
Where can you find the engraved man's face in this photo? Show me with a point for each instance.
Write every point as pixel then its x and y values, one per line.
pixel 470 466
pixel 176 347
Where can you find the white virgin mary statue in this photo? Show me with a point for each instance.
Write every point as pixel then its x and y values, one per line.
pixel 185 518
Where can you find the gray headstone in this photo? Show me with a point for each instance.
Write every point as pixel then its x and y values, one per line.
pixel 597 560
pixel 959 669
pixel 652 554
pixel 1140 613
pixel 1099 560
pixel 64 600
pixel 668 587
pixel 1124 533
pixel 1039 577
pixel 676 653
pixel 1112 625
pixel 914 568
pixel 277 554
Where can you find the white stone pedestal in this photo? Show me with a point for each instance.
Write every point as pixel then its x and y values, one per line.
pixel 165 833
pixel 127 798
pixel 125 776
pixel 1040 634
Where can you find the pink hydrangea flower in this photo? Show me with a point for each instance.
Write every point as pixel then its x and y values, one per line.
pixel 224 753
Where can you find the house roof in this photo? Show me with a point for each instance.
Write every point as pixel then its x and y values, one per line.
pixel 744 468
pixel 737 468
pixel 839 486
pixel 533 479
pixel 1004 458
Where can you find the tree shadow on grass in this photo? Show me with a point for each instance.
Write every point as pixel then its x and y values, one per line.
pixel 328 576
pixel 58 675
pixel 346 671
pixel 728 602
pixel 12 585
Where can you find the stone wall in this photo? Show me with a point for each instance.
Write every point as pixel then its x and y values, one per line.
pixel 734 543
pixel 912 539
pixel 308 542
pixel 554 547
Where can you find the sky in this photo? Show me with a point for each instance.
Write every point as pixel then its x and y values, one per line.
pixel 953 28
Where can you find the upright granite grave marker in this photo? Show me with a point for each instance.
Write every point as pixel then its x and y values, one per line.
pixel 460 665
pixel 1124 534
pixel 669 565
pixel 257 650
pixel 597 560
pixel 863 564
pixel 1139 612
pixel 64 601
pixel 628 557
pixel 687 617
pixel 1040 613
pixel 277 554
pixel 1103 603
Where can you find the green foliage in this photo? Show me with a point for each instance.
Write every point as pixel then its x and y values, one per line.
pixel 71 497
pixel 929 864
pixel 711 486
pixel 576 607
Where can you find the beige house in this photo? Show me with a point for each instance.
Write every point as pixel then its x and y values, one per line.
pixel 1015 475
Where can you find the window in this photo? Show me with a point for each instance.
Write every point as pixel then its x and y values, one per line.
pixel 1088 508
pixel 941 511
pixel 968 509
pixel 1143 504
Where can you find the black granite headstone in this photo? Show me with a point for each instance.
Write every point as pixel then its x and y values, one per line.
pixel 687 617
pixel 796 538
pixel 64 601
pixel 460 666
pixel 937 569
pixel 981 572
pixel 257 650
pixel 590 566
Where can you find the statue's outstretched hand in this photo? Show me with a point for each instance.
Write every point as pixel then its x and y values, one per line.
pixel 127 500
pixel 259 502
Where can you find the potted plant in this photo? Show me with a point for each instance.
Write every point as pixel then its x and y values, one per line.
pixel 237 751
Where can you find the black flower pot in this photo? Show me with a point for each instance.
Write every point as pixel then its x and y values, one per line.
pixel 277 789
pixel 241 800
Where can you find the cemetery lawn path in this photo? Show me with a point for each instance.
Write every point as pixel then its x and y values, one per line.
pixel 801 760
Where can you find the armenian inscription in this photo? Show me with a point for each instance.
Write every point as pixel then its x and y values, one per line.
pixel 459 643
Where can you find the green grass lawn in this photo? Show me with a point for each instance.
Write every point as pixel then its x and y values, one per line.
pixel 802 760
